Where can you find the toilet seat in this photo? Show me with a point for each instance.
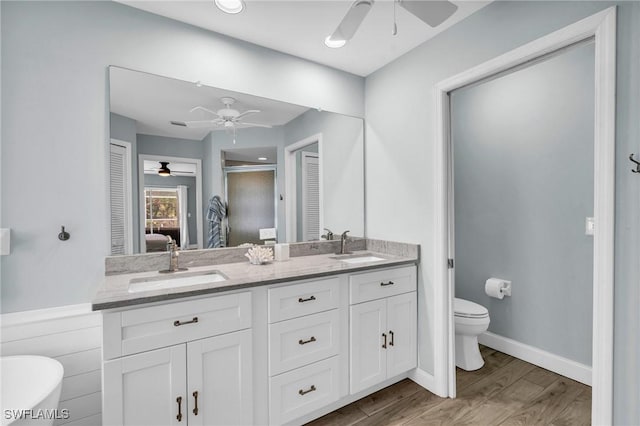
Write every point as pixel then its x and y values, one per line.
pixel 466 309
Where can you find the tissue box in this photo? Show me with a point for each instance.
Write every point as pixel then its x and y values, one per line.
pixel 281 252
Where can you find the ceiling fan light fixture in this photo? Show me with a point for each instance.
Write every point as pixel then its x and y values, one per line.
pixel 164 170
pixel 230 6
pixel 334 43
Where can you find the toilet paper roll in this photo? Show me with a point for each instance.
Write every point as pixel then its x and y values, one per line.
pixel 493 287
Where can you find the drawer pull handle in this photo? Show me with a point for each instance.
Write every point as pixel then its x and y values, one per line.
pixel 195 397
pixel 301 300
pixel 304 342
pixel 179 323
pixel 179 401
pixel 384 345
pixel 304 392
pixel 386 284
pixel 391 334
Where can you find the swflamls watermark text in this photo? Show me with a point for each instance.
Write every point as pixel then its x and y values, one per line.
pixel 39 414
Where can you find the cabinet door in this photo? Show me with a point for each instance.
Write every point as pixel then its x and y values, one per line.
pixel 368 358
pixel 220 370
pixel 402 331
pixel 146 389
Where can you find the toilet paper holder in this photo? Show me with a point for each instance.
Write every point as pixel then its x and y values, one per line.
pixel 497 287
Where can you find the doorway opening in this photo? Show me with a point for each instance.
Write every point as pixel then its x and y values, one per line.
pixel 600 27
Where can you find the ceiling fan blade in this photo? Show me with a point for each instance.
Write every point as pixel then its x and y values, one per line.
pixel 244 114
pixel 202 123
pixel 352 20
pixel 433 13
pixel 253 124
pixel 201 108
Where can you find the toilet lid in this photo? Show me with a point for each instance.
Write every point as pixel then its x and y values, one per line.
pixel 468 309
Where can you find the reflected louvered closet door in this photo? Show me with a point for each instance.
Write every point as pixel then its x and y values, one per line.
pixel 120 178
pixel 310 197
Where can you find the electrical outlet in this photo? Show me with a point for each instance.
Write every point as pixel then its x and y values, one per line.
pixel 589 226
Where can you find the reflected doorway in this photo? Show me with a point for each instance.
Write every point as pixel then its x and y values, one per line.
pixel 251 203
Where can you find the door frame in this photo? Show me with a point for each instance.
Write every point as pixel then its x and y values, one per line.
pixel 290 183
pixel 199 210
pixel 602 28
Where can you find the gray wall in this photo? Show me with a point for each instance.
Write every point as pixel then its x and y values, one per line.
pixel 173 182
pixel 523 156
pixel 343 166
pixel 400 154
pixel 66 47
pixel 124 129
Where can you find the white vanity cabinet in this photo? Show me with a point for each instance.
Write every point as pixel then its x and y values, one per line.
pixel 198 381
pixel 305 333
pixel 383 325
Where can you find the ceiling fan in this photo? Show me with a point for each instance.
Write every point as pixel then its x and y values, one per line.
pixel 432 13
pixel 227 117
pixel 164 170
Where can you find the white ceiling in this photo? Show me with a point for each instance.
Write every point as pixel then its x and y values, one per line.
pixel 153 101
pixel 299 27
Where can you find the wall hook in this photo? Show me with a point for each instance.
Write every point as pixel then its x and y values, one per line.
pixel 637 170
pixel 63 235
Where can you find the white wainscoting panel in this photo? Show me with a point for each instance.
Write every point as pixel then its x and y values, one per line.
pixel 73 336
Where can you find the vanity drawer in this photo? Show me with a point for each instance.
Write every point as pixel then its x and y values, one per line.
pixel 303 390
pixel 164 325
pixel 382 283
pixel 303 299
pixel 300 341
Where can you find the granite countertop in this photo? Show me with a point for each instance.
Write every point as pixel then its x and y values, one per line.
pixel 114 291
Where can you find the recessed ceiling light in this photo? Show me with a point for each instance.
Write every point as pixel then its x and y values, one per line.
pixel 230 6
pixel 262 158
pixel 334 44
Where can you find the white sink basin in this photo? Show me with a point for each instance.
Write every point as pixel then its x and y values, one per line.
pixel 137 285
pixel 30 382
pixel 361 259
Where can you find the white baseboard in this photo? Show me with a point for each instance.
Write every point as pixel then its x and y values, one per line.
pixel 426 380
pixel 563 366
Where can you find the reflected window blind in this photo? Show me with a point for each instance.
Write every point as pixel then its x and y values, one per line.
pixel 118 174
pixel 310 198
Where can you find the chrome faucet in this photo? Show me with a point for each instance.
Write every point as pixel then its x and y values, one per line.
pixel 329 235
pixel 343 243
pixel 172 248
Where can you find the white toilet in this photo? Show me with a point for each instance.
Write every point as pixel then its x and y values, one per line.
pixel 471 319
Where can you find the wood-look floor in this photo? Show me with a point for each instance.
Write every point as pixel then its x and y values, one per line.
pixel 506 391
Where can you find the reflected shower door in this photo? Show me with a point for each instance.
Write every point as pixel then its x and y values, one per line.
pixel 251 204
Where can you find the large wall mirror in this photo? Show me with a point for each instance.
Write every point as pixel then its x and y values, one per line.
pixel 210 168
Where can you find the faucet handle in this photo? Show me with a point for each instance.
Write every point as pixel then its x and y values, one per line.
pixel 329 235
